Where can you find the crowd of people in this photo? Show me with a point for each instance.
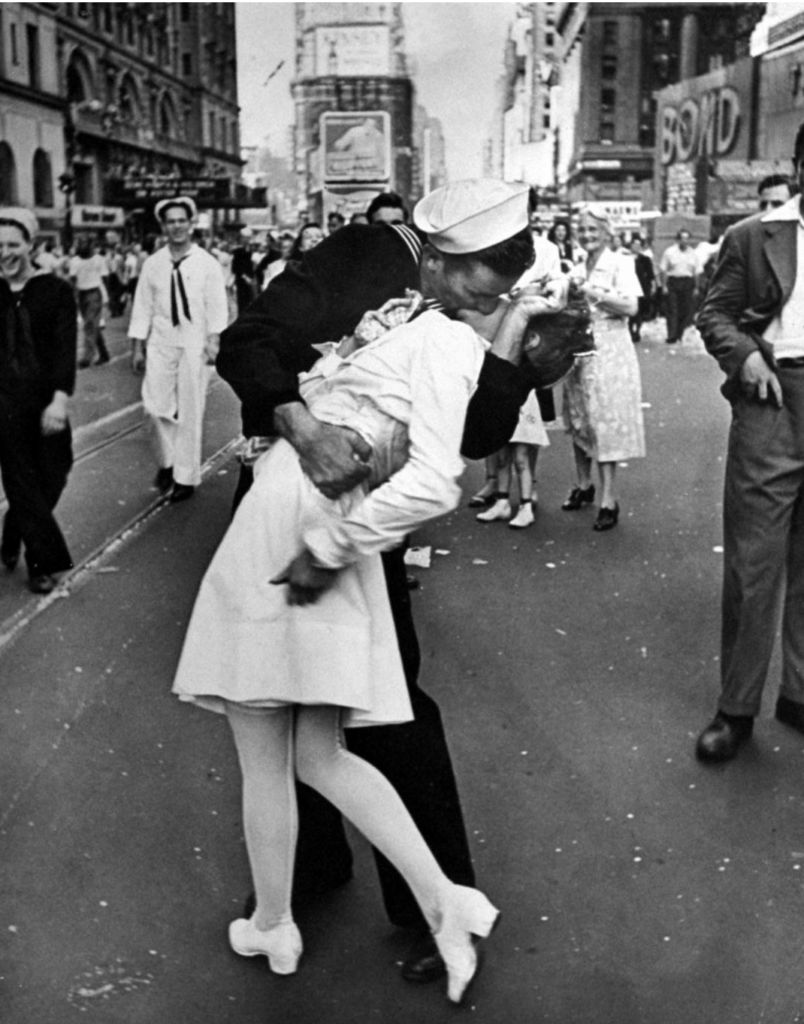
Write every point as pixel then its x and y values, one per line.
pixel 366 374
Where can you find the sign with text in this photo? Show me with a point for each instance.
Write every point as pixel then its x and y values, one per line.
pixel 97 216
pixel 133 190
pixel 707 116
pixel 353 50
pixel 356 146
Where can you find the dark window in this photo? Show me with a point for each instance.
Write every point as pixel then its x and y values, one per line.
pixel 8 176
pixel 108 25
pixel 610 33
pixel 185 12
pixel 549 39
pixel 608 100
pixel 212 130
pixel 76 93
pixel 609 70
pixel 32 38
pixel 15 53
pixel 187 64
pixel 42 179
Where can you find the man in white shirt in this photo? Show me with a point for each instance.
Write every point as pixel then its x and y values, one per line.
pixel 678 269
pixel 179 310
pixel 752 322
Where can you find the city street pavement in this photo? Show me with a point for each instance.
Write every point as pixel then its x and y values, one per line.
pixel 573 669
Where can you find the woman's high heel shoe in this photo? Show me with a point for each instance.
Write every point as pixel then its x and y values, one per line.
pixel 606 518
pixel 578 497
pixel 282 944
pixel 466 916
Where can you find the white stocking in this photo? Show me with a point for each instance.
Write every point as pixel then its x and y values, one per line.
pixel 264 744
pixel 369 801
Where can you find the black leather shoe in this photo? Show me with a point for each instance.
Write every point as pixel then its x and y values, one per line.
pixel 164 479
pixel 9 557
pixel 723 737
pixel 424 962
pixel 578 497
pixel 606 518
pixel 181 492
pixel 790 712
pixel 42 584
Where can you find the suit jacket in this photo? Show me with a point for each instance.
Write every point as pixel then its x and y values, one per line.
pixel 753 278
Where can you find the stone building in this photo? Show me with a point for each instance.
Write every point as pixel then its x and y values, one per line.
pixel 612 59
pixel 354 107
pixel 138 99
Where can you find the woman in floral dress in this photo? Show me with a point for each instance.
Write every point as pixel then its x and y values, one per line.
pixel 603 394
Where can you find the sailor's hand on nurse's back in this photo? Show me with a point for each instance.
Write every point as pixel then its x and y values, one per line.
pixel 334 458
pixel 305 580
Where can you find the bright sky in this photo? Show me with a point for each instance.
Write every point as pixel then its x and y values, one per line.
pixel 457 49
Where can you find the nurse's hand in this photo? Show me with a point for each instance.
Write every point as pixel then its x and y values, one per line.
pixel 334 458
pixel 305 580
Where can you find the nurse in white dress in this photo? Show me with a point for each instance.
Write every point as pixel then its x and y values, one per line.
pixel 292 635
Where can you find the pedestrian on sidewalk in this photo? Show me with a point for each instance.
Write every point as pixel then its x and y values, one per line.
pixel 329 637
pixel 678 270
pixel 494 496
pixel 750 322
pixel 603 395
pixel 87 269
pixel 355 269
pixel 180 309
pixel 37 376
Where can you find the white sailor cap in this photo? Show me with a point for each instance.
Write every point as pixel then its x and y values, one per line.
pixel 23 218
pixel 466 216
pixel 164 204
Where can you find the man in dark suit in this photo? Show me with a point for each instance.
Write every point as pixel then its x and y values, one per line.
pixel 751 322
pixel 646 275
pixel 320 298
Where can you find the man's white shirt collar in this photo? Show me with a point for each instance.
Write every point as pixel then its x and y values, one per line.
pixel 791 210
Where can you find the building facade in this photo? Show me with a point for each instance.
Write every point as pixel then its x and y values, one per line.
pixel 612 60
pixel 144 97
pixel 355 108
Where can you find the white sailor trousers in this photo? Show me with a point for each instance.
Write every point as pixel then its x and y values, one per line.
pixel 174 396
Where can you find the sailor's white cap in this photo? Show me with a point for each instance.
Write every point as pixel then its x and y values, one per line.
pixel 466 216
pixel 164 204
pixel 23 218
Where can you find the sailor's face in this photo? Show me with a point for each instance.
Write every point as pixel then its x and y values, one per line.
pixel 177 226
pixel 15 252
pixel 464 285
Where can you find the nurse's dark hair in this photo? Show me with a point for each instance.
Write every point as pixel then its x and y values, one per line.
pixel 510 258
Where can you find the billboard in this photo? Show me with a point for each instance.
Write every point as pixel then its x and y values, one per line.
pixel 356 146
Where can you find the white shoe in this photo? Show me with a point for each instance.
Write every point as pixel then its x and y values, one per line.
pixel 524 516
pixel 465 916
pixel 501 509
pixel 282 944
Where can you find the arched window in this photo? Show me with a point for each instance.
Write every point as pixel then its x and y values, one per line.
pixel 128 100
pixel 8 176
pixel 167 122
pixel 79 78
pixel 42 179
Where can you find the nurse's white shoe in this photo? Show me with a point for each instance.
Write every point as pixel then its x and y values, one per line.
pixel 282 944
